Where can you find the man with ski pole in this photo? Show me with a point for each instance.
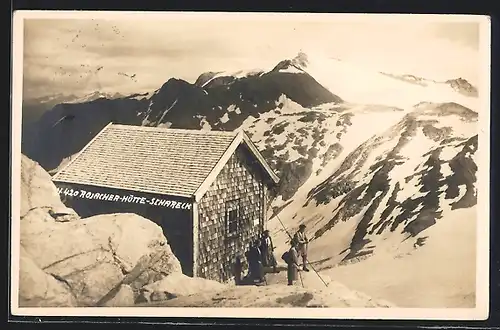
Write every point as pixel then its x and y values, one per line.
pixel 302 241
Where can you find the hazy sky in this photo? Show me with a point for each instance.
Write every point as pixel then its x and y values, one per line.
pixel 83 55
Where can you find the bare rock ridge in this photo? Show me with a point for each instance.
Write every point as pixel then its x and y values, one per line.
pixel 124 260
pixel 463 86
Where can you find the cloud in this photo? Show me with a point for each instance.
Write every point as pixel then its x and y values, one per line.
pixel 464 33
pixel 62 55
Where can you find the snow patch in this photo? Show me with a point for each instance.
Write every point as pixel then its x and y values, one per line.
pixel 291 69
pixel 382 206
pixel 224 119
pixel 234 108
pixel 205 125
pixel 462 189
pixel 460 127
pixel 237 75
pixel 167 110
pixel 165 125
pixel 448 152
pixel 446 170
pixel 413 157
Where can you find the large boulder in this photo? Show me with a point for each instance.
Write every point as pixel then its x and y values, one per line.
pixel 38 191
pixel 39 289
pixel 97 261
pixel 94 255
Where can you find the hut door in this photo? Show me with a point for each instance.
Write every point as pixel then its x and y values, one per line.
pixel 232 234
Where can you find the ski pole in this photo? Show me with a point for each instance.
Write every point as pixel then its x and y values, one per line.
pixel 317 273
pixel 307 260
pixel 300 276
pixel 286 231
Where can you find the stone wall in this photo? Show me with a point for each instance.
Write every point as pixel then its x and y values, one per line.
pixel 238 185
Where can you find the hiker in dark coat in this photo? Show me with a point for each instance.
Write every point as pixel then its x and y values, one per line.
pixel 267 248
pixel 254 257
pixel 303 241
pixel 292 260
pixel 238 269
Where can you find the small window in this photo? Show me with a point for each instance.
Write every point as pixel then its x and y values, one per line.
pixel 232 219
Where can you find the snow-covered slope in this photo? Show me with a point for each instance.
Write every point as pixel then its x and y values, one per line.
pixel 399 181
pixel 398 202
pixel 302 143
pixel 440 273
pixel 355 83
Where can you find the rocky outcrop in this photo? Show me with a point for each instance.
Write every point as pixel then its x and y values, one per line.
pixel 39 193
pixel 68 261
pixel 40 289
pixel 463 86
pixel 93 255
pixel 177 285
pixel 333 296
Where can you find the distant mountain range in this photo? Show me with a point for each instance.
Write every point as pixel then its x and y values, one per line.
pixel 460 85
pixel 34 108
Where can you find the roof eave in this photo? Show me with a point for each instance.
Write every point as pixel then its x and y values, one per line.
pixel 242 137
pixel 205 185
pixel 55 176
pixel 260 158
pixel 189 196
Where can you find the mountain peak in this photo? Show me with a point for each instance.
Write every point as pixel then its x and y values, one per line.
pixel 463 86
pixel 302 59
pixel 205 78
pixel 299 62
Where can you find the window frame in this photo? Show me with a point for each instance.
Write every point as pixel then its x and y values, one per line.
pixel 232 206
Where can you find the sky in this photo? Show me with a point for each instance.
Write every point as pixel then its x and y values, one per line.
pixel 138 54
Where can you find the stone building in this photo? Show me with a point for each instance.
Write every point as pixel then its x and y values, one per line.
pixel 208 190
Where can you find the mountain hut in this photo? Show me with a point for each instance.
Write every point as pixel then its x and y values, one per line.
pixel 208 190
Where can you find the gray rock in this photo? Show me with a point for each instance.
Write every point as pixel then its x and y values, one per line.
pixel 123 298
pixel 84 261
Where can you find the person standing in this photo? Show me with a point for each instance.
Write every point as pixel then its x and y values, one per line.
pixel 292 259
pixel 267 248
pixel 302 241
pixel 238 269
pixel 255 262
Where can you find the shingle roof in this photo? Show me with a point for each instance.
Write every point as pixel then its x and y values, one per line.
pixel 149 159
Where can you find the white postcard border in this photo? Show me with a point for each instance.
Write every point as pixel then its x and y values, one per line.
pixel 480 312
